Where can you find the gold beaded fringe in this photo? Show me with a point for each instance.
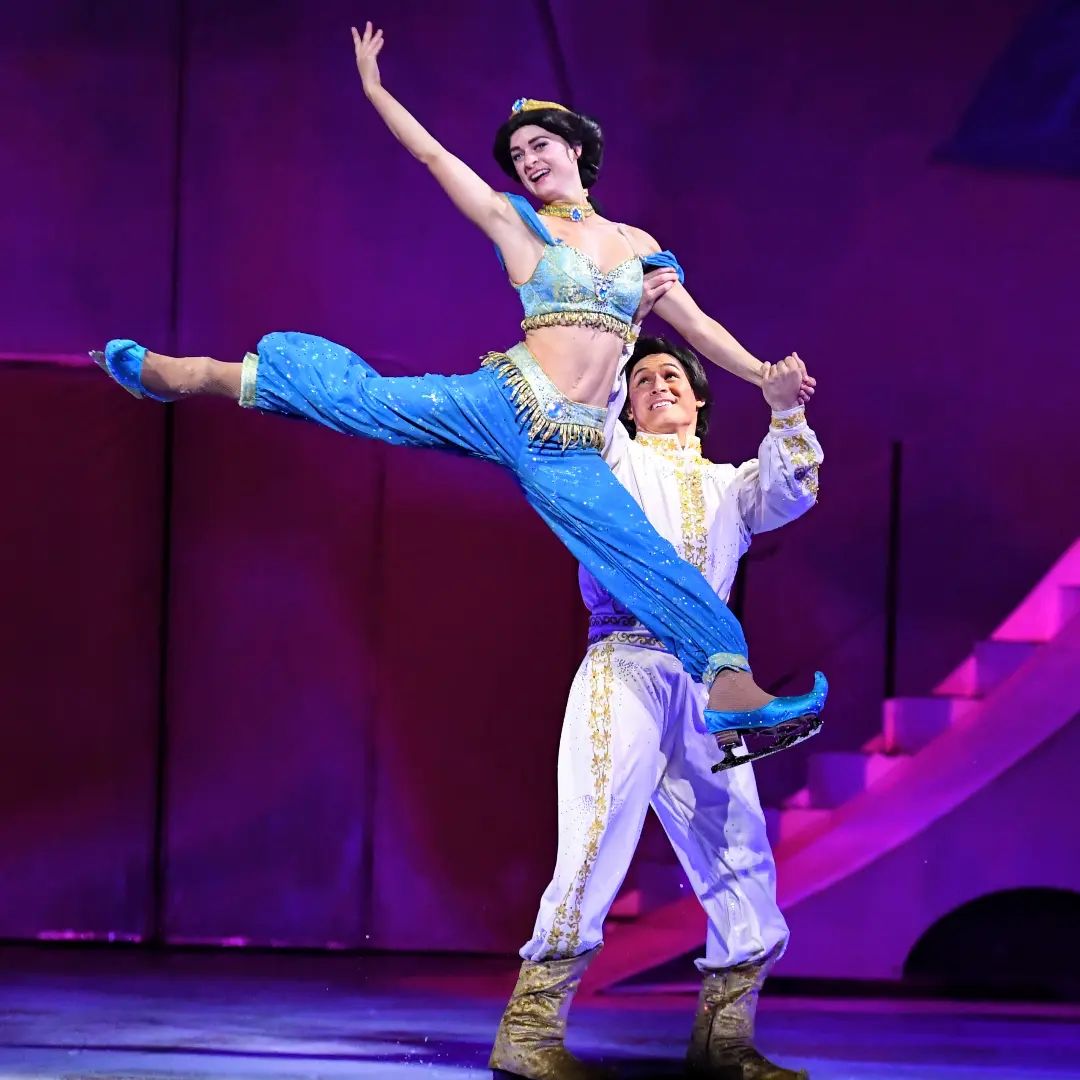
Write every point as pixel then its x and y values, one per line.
pixel 540 426
pixel 593 320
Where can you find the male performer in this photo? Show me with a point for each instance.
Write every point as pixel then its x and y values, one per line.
pixel 632 735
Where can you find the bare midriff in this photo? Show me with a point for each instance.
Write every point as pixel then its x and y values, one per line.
pixel 579 361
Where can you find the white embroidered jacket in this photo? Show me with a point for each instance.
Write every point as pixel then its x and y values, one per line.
pixel 709 511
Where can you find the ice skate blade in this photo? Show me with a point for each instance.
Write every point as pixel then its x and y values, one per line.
pixel 758 744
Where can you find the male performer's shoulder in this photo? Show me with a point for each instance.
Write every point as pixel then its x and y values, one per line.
pixel 776 487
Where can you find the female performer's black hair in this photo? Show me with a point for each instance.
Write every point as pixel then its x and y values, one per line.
pixel 576 128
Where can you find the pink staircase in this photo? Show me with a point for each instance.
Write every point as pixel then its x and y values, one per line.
pixel 884 841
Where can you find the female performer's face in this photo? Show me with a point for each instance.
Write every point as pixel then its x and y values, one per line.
pixel 546 164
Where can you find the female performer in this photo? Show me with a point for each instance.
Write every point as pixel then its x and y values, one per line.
pixel 540 408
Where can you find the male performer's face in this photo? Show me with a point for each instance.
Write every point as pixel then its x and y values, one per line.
pixel 546 164
pixel 662 400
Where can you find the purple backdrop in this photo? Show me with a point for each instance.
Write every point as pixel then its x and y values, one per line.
pixel 368 650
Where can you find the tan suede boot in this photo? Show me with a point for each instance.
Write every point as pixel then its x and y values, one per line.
pixel 722 1043
pixel 529 1042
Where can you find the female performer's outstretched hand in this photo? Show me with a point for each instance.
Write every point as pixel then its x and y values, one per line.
pixel 368 46
pixel 784 384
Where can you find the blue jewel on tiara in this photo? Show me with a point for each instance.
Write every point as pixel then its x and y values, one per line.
pixel 518 105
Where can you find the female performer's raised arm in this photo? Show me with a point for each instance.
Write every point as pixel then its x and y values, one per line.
pixel 470 193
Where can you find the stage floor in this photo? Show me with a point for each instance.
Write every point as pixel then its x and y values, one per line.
pixel 73 1014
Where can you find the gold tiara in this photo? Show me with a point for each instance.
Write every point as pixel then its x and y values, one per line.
pixel 527 104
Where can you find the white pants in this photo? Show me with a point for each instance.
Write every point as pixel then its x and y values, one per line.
pixel 634 736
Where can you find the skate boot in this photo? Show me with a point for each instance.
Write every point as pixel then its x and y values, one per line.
pixel 123 361
pixel 722 1042
pixel 529 1043
pixel 782 723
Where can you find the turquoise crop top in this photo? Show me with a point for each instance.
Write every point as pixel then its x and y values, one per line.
pixel 568 289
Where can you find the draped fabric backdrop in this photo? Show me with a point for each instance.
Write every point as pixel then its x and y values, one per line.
pixel 354 737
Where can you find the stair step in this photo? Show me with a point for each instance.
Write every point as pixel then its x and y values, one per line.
pixel 798 800
pixel 783 825
pixel 910 723
pixel 1068 605
pixel 629 905
pixel 836 777
pixel 995 661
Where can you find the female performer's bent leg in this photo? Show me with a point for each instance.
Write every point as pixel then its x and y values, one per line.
pixel 595 516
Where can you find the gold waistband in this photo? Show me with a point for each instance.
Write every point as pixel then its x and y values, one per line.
pixel 550 414
pixel 594 320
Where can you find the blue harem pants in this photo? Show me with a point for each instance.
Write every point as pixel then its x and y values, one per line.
pixel 509 413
